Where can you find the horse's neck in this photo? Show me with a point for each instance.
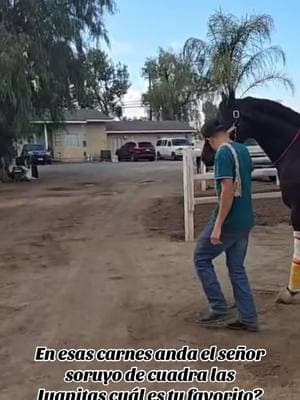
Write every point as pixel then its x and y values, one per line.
pixel 273 138
pixel 273 146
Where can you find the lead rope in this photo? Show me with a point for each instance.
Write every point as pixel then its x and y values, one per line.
pixel 237 181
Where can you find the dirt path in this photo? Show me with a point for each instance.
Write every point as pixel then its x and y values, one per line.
pixel 79 268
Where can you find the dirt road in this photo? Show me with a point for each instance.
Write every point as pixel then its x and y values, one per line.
pixel 82 266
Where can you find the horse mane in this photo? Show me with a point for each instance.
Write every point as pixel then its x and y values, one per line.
pixel 272 108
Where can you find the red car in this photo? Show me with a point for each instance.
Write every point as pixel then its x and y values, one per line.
pixel 133 151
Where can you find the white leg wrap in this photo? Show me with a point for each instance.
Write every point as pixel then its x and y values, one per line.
pixel 296 246
pixel 294 284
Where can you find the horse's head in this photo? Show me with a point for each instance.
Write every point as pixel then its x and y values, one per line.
pixel 225 111
pixel 229 116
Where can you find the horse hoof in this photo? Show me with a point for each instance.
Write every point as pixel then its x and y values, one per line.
pixel 284 297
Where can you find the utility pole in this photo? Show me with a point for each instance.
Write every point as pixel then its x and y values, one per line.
pixel 150 105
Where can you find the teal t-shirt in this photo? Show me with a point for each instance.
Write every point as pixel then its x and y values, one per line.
pixel 241 216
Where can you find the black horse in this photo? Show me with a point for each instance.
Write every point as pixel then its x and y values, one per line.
pixel 277 130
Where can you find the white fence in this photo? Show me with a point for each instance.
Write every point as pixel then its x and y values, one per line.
pixel 190 200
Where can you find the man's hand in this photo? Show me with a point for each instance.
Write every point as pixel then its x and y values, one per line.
pixel 215 236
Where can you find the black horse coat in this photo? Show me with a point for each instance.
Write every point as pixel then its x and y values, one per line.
pixel 277 130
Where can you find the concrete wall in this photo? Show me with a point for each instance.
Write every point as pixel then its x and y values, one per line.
pixel 115 141
pixel 78 142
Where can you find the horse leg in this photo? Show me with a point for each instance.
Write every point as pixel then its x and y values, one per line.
pixel 287 294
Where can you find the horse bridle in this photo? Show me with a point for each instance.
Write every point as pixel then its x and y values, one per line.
pixel 235 126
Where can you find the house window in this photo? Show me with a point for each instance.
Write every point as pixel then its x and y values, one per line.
pixel 72 140
pixel 84 144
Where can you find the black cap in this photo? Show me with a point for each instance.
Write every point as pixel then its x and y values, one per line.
pixel 211 128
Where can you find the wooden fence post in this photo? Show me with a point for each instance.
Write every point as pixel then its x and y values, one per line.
pixel 277 179
pixel 188 189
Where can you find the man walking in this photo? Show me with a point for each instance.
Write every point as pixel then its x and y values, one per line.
pixel 228 231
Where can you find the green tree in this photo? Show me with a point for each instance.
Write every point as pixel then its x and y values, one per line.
pixel 106 83
pixel 237 58
pixel 41 56
pixel 174 86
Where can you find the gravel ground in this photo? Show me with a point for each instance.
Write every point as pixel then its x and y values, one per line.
pixel 86 260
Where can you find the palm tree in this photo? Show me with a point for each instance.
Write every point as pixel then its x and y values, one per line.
pixel 235 54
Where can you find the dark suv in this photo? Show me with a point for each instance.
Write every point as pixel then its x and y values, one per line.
pixel 37 153
pixel 136 151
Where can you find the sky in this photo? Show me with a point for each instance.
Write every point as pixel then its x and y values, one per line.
pixel 140 27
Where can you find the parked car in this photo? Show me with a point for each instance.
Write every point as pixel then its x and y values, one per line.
pixel 133 151
pixel 258 156
pixel 37 152
pixel 171 148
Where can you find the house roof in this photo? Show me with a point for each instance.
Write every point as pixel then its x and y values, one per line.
pixel 81 116
pixel 139 126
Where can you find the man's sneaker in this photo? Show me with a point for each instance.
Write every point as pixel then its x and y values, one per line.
pixel 214 318
pixel 240 326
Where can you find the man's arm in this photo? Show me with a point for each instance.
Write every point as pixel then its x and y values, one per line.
pixel 226 201
pixel 224 173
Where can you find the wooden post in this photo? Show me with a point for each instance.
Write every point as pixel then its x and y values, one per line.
pixel 277 179
pixel 46 137
pixel 188 189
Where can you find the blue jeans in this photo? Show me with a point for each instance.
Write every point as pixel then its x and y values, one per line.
pixel 234 244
